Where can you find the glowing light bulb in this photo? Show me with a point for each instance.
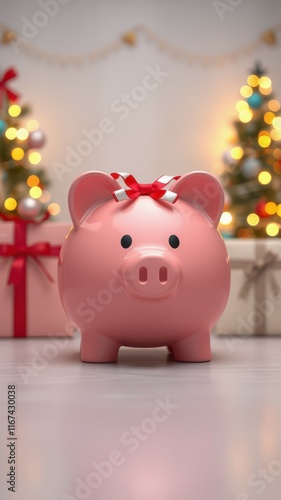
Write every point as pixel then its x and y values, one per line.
pixel 35 192
pixel 264 82
pixel 253 219
pixel 277 123
pixel 270 208
pixel 246 115
pixel 10 204
pixel 34 157
pixel 236 152
pixel 265 91
pixel 272 229
pixel 278 210
pixel 264 140
pixel 11 133
pixel 275 135
pixel 269 117
pixel 54 208
pixel 253 80
pixel 17 154
pixel 242 106
pixel 33 180
pixel 274 105
pixel 32 125
pixel 264 177
pixel 226 218
pixel 22 134
pixel 14 110
pixel 246 91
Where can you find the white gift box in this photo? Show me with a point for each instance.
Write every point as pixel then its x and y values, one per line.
pixel 254 304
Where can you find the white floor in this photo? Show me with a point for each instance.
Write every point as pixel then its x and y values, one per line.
pixel 146 428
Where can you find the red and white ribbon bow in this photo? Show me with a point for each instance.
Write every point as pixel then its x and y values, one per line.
pixel 155 190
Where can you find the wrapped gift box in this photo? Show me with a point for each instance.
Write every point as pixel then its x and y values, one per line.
pixel 30 304
pixel 254 304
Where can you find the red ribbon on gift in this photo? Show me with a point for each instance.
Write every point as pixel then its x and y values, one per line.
pixel 11 95
pixel 19 251
pixel 155 190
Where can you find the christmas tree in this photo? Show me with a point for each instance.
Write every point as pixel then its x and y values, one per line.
pixel 23 182
pixel 252 167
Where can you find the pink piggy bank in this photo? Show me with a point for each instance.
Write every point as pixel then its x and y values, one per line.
pixel 144 266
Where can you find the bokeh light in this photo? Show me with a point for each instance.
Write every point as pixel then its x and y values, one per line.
pixel 33 180
pixel 32 125
pixel 264 139
pixel 273 105
pixel 11 133
pixel 277 123
pixel 242 106
pixel 246 91
pixel 22 134
pixel 17 154
pixel 272 229
pixel 236 152
pixel 226 218
pixel 264 177
pixel 270 208
pixel 265 91
pixel 34 157
pixel 54 208
pixel 10 204
pixel 253 80
pixel 269 117
pixel 14 110
pixel 253 219
pixel 246 115
pixel 35 192
pixel 265 82
pixel 275 135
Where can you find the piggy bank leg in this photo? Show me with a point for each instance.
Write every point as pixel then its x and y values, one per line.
pixel 193 349
pixel 96 348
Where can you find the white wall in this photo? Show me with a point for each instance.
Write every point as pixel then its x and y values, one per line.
pixel 182 125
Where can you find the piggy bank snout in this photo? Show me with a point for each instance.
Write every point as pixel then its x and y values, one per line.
pixel 151 274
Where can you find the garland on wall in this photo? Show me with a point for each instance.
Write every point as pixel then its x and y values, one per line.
pixel 130 38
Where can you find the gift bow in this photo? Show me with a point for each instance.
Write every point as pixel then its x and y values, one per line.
pixel 254 270
pixel 155 190
pixel 8 75
pixel 21 252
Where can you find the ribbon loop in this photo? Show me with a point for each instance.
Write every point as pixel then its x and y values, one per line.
pixel 11 95
pixel 155 190
pixel 253 271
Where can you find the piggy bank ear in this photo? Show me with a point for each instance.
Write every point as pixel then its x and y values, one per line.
pixel 87 191
pixel 203 190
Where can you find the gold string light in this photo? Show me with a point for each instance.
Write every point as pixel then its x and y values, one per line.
pixel 130 38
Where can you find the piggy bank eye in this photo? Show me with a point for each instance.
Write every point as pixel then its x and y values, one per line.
pixel 126 241
pixel 174 241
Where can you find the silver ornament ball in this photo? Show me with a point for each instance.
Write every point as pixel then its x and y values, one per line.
pixel 36 139
pixel 251 167
pixel 28 208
